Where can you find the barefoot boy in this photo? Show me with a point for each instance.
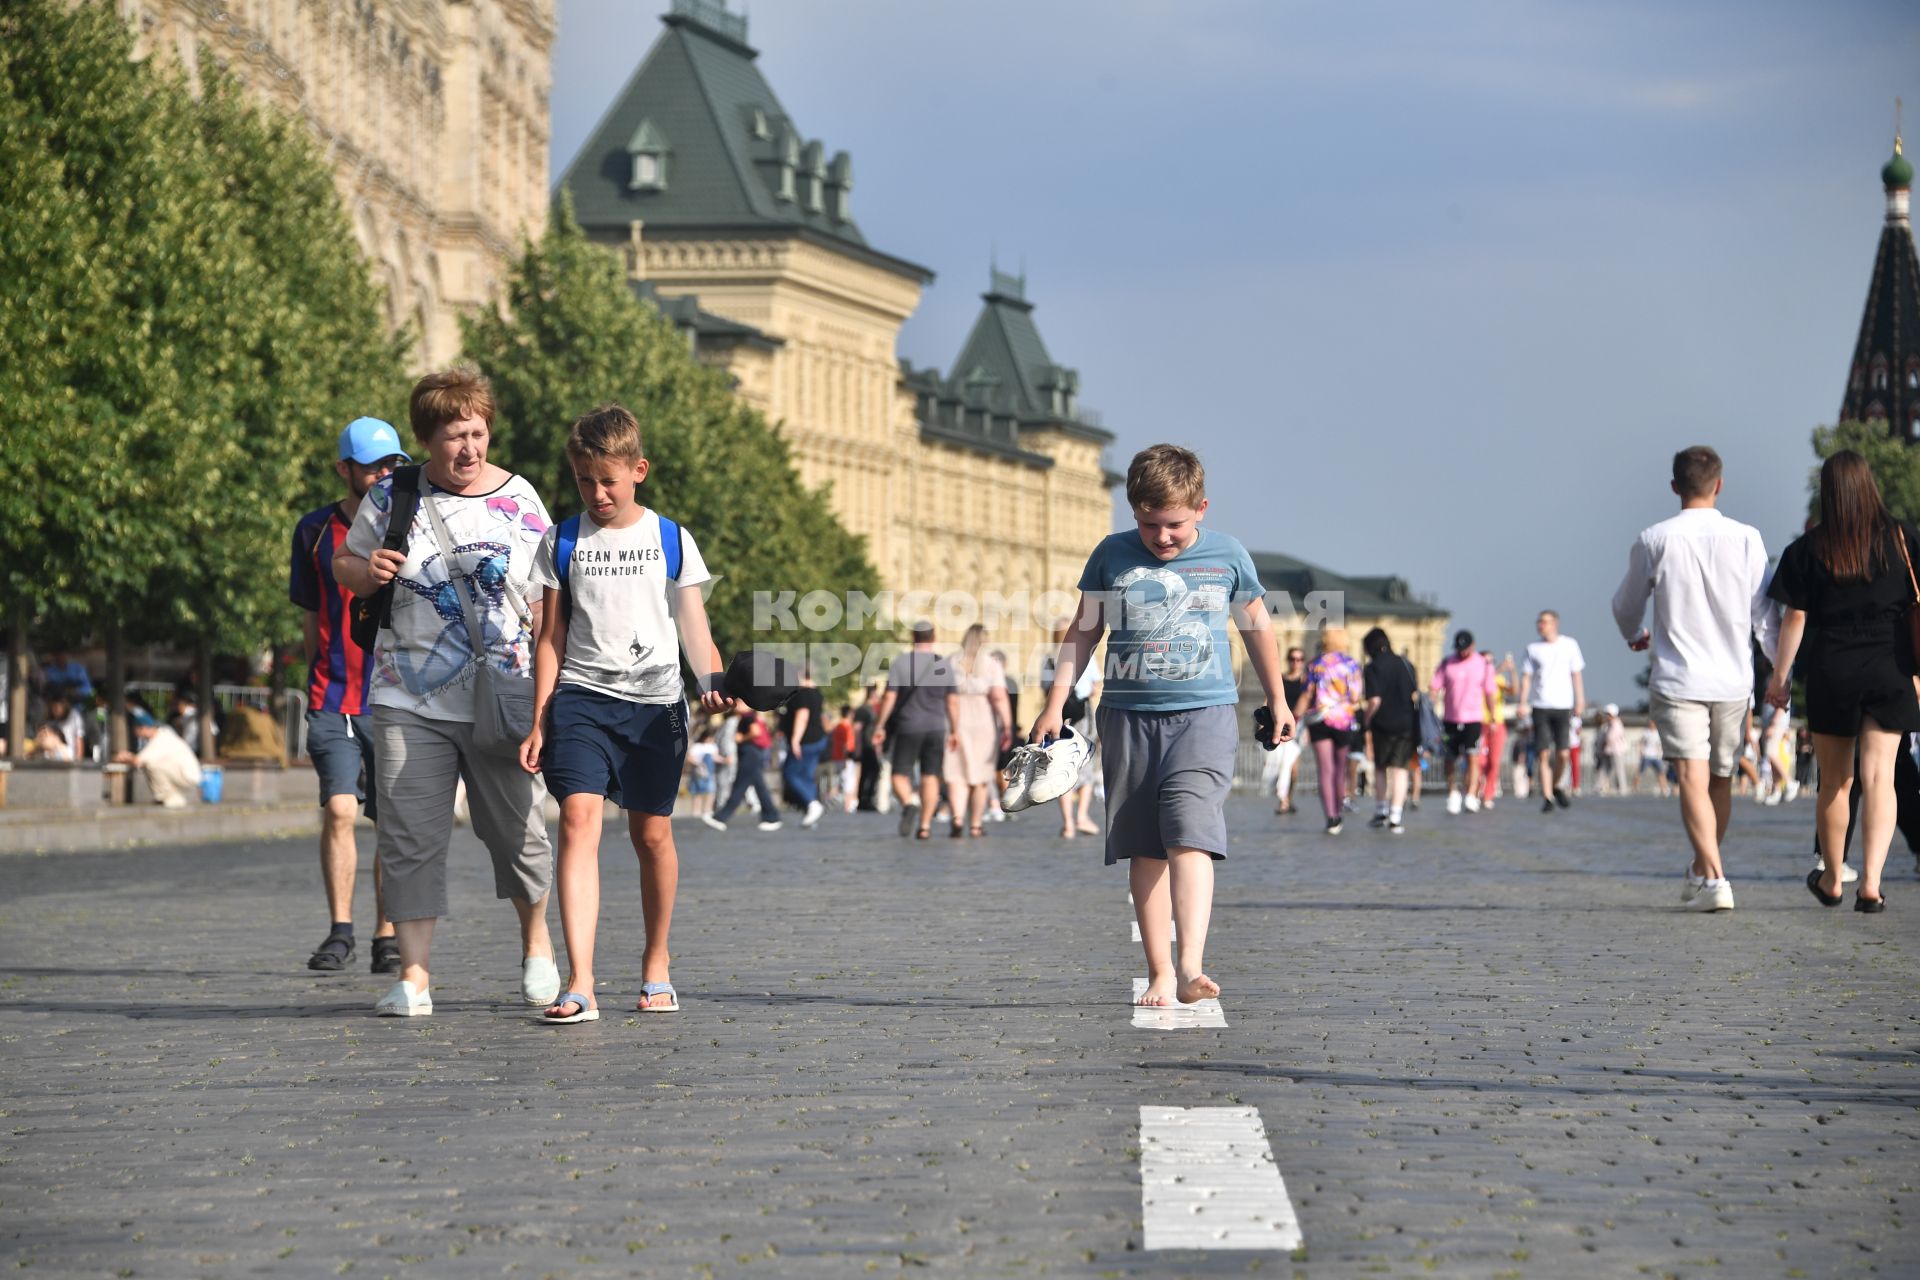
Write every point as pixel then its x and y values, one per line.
pixel 1167 727
pixel 610 716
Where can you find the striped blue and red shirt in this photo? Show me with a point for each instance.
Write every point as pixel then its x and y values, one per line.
pixel 342 671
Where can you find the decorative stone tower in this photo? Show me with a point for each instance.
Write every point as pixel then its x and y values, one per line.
pixel 1884 383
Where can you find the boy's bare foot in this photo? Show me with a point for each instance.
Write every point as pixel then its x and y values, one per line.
pixel 1159 993
pixel 1198 987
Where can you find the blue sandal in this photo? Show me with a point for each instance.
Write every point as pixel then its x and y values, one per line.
pixel 587 1012
pixel 651 989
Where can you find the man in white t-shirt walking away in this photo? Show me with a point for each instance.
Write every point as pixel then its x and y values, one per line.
pixel 1551 685
pixel 1707 578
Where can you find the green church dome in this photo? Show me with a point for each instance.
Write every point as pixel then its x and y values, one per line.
pixel 1898 171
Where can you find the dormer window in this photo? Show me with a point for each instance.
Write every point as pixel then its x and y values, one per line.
pixel 762 127
pixel 816 166
pixel 789 161
pixel 1879 373
pixel 647 150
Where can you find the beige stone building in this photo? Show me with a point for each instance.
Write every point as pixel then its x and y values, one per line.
pixel 989 479
pixel 433 114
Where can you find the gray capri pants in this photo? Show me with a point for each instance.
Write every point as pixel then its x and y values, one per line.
pixel 417 760
pixel 1168 774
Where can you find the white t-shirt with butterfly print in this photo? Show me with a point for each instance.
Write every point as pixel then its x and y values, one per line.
pixel 424 664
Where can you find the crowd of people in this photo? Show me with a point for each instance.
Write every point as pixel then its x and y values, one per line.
pixel 465 649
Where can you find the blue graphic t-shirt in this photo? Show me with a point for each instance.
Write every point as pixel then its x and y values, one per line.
pixel 1167 619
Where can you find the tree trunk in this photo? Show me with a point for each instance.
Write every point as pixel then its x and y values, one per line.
pixel 119 785
pixel 17 674
pixel 203 663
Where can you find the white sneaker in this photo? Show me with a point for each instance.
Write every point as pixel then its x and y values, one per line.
pixel 814 810
pixel 713 822
pixel 1847 874
pixel 1793 789
pixel 1026 764
pixel 1714 896
pixel 1053 770
pixel 1453 802
pixel 539 980
pixel 402 1001
pixel 996 814
pixel 770 826
pixel 1473 804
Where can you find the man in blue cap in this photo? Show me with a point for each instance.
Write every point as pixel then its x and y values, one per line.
pixel 339 728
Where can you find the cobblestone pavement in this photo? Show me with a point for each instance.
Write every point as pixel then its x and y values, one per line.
pixel 1492 1047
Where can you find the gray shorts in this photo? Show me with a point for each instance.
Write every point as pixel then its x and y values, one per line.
pixel 341 748
pixel 418 761
pixel 1168 774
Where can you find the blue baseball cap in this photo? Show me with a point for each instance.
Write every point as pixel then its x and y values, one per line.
pixel 368 440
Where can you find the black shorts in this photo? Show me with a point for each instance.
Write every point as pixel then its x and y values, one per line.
pixel 1461 738
pixel 1552 728
pixel 928 750
pixel 1393 750
pixel 1321 732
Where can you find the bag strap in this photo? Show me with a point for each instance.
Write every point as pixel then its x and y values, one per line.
pixel 670 545
pixel 404 491
pixel 563 544
pixel 462 584
pixel 1900 537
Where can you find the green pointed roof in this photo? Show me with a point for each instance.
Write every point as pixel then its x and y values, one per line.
pixel 740 164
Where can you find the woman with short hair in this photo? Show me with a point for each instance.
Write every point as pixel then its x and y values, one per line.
pixel 464 564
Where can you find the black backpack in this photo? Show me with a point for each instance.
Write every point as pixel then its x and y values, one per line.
pixel 371 613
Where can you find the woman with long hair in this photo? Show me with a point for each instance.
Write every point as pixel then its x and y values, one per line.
pixel 982 724
pixel 1330 708
pixel 1850 579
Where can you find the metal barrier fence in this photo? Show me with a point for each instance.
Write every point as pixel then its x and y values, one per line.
pixel 158 696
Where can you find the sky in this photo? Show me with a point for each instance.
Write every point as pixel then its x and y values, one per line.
pixel 1434 290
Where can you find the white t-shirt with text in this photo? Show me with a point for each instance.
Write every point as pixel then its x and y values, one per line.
pixel 1552 667
pixel 621 639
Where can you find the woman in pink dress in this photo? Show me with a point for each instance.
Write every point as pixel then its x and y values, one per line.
pixel 982 726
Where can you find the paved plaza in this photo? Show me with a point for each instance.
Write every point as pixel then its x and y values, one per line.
pixel 1492 1047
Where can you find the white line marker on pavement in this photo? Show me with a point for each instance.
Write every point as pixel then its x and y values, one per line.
pixel 1208 1181
pixel 1174 1017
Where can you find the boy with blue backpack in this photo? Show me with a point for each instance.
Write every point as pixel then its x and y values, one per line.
pixel 610 713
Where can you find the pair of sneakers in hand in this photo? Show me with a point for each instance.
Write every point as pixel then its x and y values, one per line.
pixel 1043 771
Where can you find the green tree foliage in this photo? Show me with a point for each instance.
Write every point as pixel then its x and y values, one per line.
pixel 1895 464
pixel 186 323
pixel 578 338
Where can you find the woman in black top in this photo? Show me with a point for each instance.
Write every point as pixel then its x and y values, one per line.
pixel 1848 582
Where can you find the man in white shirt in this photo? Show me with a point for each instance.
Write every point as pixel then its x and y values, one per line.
pixel 1707 578
pixel 1551 684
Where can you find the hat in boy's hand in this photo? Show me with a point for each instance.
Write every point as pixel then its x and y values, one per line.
pixel 762 680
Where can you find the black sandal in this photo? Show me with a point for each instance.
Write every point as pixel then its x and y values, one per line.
pixel 386 955
pixel 332 955
pixel 923 834
pixel 1870 906
pixel 1813 887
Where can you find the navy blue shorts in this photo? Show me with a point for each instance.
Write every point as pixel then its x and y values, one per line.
pixel 629 752
pixel 341 748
